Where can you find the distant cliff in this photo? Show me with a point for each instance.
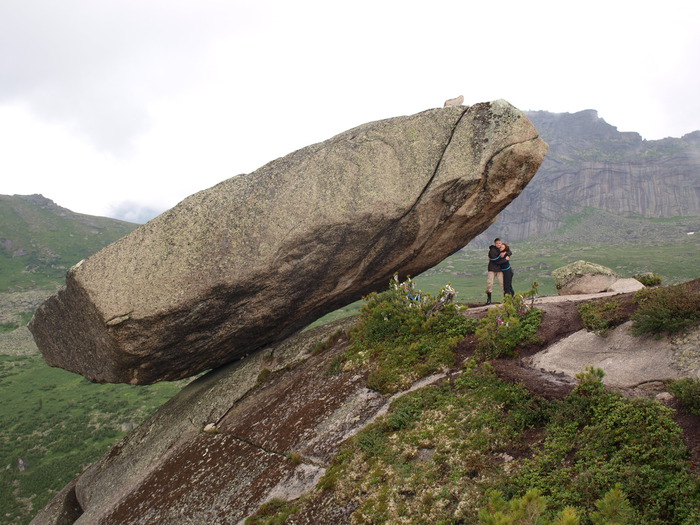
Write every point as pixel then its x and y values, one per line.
pixel 592 165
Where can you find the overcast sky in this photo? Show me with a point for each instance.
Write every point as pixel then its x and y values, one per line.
pixel 122 108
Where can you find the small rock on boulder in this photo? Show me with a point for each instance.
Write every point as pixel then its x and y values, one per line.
pixel 582 277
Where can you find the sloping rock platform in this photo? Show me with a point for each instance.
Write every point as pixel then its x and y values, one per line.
pixel 273 437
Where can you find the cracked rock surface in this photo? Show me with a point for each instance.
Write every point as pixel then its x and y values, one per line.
pixel 262 440
pixel 259 256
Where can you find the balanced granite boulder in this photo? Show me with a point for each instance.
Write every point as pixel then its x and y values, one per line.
pixel 259 256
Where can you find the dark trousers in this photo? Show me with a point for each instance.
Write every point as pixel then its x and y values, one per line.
pixel 508 282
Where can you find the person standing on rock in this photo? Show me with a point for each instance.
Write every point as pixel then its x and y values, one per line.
pixel 506 270
pixel 494 268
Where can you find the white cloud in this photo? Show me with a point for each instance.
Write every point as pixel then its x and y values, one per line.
pixel 148 101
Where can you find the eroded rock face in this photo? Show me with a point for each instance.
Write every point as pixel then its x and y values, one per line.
pixel 270 439
pixel 593 165
pixel 259 256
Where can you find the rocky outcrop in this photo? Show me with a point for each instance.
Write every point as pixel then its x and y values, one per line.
pixel 457 101
pixel 582 277
pixel 275 420
pixel 263 439
pixel 256 258
pixel 593 165
pixel 627 360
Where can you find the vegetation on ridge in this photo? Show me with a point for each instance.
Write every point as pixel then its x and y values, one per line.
pixel 40 240
pixel 403 335
pixel 476 449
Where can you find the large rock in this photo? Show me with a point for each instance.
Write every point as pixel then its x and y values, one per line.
pixel 259 256
pixel 583 277
pixel 228 442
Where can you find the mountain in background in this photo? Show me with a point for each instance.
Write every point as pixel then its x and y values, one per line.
pixel 594 176
pixel 40 240
pixel 591 165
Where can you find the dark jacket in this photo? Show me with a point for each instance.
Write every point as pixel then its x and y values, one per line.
pixel 495 259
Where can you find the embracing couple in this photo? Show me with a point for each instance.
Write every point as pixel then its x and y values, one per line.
pixel 499 266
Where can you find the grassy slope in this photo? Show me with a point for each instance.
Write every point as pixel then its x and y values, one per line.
pixel 91 415
pixel 627 245
pixel 439 450
pixel 58 423
pixel 40 240
pixel 55 421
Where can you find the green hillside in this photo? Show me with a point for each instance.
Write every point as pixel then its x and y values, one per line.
pixel 39 240
pixel 54 423
pixel 628 245
pixel 57 423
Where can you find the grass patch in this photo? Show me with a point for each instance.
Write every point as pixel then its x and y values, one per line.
pixel 669 310
pixel 402 335
pixel 58 423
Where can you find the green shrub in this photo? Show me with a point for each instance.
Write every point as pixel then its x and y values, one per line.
pixel 322 346
pixel 404 335
pixel 670 310
pixel 274 512
pixel 612 509
pixel 8 327
pixel 648 278
pixel 687 391
pixel 600 316
pixel 505 327
pixel 527 510
pixel 294 458
pixel 598 439
pixel 263 376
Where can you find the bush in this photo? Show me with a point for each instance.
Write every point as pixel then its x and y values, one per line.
pixel 648 279
pixel 687 391
pixel 505 327
pixel 600 316
pixel 668 310
pixel 598 439
pixel 404 335
pixel 612 509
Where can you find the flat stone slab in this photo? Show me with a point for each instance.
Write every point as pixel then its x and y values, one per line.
pixel 627 360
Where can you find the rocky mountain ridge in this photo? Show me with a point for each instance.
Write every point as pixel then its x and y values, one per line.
pixel 591 164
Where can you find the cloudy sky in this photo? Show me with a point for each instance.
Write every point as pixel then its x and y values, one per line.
pixel 123 108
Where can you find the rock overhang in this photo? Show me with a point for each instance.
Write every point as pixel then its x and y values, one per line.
pixel 259 256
